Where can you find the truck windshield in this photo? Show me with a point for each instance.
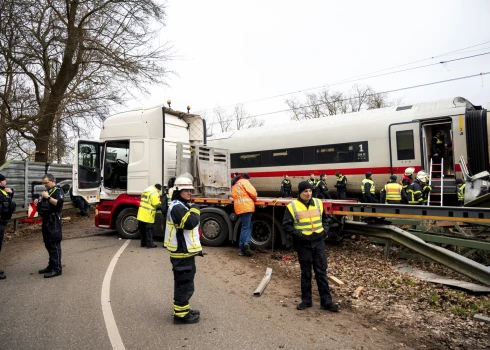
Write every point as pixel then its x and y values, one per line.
pixel 116 165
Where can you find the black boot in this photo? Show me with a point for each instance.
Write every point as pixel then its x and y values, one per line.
pixel 303 305
pixel 45 270
pixel 187 319
pixel 331 307
pixel 2 276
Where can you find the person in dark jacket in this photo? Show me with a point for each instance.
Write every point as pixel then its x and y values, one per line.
pixel 7 207
pixel 392 192
pixel 368 189
pixel 286 187
pixel 414 191
pixel 322 189
pixel 49 208
pixel 307 223
pixel 313 182
pixel 437 150
pixel 341 185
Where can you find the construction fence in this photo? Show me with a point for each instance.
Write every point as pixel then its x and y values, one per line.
pixel 25 178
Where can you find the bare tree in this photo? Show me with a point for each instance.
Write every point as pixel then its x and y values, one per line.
pixel 360 97
pixel 243 120
pixel 222 119
pixel 327 103
pixel 74 58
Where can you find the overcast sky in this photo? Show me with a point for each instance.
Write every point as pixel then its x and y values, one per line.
pixel 232 52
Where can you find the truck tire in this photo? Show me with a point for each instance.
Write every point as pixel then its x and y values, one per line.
pixel 127 223
pixel 214 229
pixel 262 231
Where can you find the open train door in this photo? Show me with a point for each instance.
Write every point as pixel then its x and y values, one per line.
pixel 405 149
pixel 87 170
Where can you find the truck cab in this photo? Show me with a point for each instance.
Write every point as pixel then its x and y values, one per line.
pixel 140 148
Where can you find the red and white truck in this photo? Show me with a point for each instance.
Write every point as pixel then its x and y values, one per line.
pixel 142 147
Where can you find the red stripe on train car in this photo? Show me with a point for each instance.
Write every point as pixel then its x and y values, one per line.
pixel 330 172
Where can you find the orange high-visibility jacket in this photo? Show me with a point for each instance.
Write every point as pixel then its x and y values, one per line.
pixel 244 195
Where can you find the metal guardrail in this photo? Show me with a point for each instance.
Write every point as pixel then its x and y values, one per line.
pixel 419 212
pixel 443 256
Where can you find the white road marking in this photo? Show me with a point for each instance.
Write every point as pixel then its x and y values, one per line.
pixel 105 299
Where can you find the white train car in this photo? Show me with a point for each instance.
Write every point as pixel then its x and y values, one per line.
pixel 383 141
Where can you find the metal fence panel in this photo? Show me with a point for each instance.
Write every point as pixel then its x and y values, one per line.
pixel 23 176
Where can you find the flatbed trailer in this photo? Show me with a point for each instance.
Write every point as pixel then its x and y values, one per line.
pixel 219 223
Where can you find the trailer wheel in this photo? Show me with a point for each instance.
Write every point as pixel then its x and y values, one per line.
pixel 127 223
pixel 214 229
pixel 262 231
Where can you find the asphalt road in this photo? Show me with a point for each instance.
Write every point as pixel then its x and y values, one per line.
pixel 65 312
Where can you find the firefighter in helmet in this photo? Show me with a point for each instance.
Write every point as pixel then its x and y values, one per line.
pixel 414 190
pixel 406 181
pixel 183 243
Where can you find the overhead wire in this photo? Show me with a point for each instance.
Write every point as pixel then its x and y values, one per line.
pixel 368 95
pixel 363 76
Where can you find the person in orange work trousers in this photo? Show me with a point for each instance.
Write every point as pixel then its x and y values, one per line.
pixel 244 197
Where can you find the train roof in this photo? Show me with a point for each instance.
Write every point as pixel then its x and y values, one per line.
pixel 425 110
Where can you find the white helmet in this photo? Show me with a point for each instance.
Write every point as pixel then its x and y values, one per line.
pixel 409 171
pixel 422 176
pixel 183 183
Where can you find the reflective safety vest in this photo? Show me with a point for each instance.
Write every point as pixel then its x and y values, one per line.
pixel 393 192
pixel 439 141
pixel 244 197
pixel 191 237
pixel 313 182
pixel 461 193
pixel 307 220
pixel 414 193
pixel 372 189
pixel 150 200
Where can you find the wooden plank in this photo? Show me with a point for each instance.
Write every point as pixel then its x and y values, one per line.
pixel 357 292
pixel 335 281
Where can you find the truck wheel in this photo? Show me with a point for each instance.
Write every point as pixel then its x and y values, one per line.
pixel 262 231
pixel 214 229
pixel 127 224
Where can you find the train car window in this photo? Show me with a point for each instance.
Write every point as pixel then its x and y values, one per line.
pixel 291 156
pixel 266 158
pixel 249 160
pixel 342 153
pixel 404 145
pixel 235 160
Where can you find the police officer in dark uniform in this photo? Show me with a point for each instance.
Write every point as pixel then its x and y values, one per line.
pixel 7 207
pixel 341 185
pixel 368 189
pixel 306 222
pixel 322 189
pixel 286 187
pixel 437 150
pixel 313 182
pixel 50 207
